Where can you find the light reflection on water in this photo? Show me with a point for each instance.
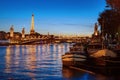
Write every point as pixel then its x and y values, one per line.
pixel 38 62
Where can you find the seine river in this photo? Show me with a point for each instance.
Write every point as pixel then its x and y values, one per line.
pixel 40 62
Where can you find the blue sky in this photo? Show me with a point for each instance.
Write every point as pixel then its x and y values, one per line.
pixel 53 16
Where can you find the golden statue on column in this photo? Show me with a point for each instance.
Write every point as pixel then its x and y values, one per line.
pixel 96 32
pixel 23 33
pixel 11 31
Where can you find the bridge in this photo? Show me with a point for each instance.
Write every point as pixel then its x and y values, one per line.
pixel 47 40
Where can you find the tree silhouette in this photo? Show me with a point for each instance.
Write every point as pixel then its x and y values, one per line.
pixel 115 4
pixel 109 19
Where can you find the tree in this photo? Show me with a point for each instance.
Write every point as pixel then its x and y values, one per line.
pixel 109 19
pixel 115 4
pixel 2 35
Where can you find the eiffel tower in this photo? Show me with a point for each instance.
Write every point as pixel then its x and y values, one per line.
pixel 32 31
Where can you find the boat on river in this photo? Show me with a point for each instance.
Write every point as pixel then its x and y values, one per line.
pixel 70 58
pixel 77 54
pixel 96 59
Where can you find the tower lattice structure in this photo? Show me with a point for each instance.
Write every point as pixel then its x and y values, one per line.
pixel 32 31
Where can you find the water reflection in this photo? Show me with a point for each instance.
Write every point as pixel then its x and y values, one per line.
pixel 72 74
pixel 30 57
pixel 8 59
pixel 30 60
pixel 39 62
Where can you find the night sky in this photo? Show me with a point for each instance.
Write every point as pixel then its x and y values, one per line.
pixel 53 16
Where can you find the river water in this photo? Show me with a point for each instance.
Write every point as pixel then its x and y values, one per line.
pixel 40 62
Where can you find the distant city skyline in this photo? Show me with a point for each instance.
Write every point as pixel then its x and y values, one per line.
pixel 53 16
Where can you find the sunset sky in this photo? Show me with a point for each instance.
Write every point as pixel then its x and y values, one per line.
pixel 53 16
